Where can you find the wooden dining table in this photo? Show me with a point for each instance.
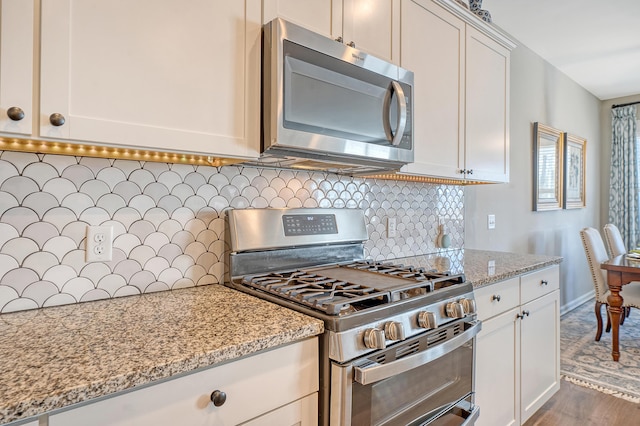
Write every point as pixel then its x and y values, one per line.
pixel 620 271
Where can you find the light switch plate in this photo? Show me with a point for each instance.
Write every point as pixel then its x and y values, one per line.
pixel 491 221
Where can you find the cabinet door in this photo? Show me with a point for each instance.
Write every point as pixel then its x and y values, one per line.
pixel 315 15
pixel 497 370
pixel 16 64
pixel 487 108
pixel 373 27
pixel 540 352
pixel 153 74
pixel 303 412
pixel 432 45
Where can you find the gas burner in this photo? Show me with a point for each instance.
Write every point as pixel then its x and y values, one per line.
pixel 398 270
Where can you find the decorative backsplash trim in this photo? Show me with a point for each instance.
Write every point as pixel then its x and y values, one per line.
pixel 168 221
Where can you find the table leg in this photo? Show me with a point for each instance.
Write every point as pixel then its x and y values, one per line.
pixel 615 310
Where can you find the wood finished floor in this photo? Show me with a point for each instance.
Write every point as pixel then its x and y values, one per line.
pixel 579 406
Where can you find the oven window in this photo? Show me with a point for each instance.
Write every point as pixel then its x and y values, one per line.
pixel 416 395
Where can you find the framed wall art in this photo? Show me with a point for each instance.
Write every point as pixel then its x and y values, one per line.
pixel 548 151
pixel 575 150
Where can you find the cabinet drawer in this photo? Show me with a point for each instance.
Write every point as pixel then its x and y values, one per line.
pixel 487 303
pixel 539 283
pixel 254 385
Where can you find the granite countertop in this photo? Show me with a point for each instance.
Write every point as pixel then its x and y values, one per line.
pixel 54 357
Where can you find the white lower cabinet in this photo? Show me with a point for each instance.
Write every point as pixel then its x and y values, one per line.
pixel 518 349
pixel 278 387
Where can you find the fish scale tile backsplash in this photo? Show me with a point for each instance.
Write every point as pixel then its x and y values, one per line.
pixel 168 221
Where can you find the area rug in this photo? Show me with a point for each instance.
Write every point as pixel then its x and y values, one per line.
pixel 588 363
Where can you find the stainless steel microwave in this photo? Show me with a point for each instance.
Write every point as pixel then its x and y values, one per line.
pixel 330 106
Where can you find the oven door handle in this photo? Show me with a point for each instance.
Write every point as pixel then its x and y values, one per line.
pixel 374 372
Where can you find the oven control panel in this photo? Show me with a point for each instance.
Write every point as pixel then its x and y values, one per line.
pixel 309 224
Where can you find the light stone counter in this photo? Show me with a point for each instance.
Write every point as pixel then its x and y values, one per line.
pixel 53 357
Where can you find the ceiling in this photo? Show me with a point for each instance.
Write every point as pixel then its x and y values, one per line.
pixel 595 43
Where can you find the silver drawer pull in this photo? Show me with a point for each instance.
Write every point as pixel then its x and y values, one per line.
pixel 496 297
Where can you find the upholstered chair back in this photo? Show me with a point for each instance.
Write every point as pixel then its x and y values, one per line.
pixel 596 254
pixel 615 244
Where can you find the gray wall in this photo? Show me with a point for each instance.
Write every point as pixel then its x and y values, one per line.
pixel 539 92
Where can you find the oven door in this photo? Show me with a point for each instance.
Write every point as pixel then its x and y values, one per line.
pixel 428 379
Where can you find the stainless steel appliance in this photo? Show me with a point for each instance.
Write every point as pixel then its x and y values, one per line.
pixel 331 106
pixel 399 341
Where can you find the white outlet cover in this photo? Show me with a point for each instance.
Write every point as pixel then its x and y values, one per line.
pixel 391 227
pixel 99 244
pixel 491 221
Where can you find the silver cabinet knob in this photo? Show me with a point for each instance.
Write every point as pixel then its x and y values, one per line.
pixel 427 320
pixel 470 171
pixel 218 397
pixel 374 338
pixel 455 310
pixel 15 113
pixel 394 330
pixel 56 119
pixel 496 297
pixel 524 314
pixel 339 39
pixel 351 44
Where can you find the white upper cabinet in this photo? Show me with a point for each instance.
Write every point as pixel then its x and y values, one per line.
pixel 16 66
pixel 370 25
pixel 461 102
pixel 156 74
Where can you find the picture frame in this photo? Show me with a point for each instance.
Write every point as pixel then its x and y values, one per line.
pixel 548 152
pixel 575 156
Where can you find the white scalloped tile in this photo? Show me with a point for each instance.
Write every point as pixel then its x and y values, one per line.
pixel 207 215
pixel 169 276
pixel 19 278
pixel 206 171
pixel 156 287
pixel 207 260
pixel 19 187
pixel 19 159
pixel 40 172
pixel 170 227
pixel 59 300
pixel 294 203
pixel 195 203
pixel 126 242
pixel 142 203
pixel 287 175
pixel 127 268
pixel 77 174
pixel 195 180
pixel 218 181
pixel 182 191
pixel 240 203
pixel 78 203
pixel 219 247
pixel 240 182
pixel 156 191
pixel 169 179
pixel 95 164
pixel 111 203
pixel 141 229
pixel 7 201
pixel 127 216
pixel 230 171
pixel 207 280
pixel 207 192
pixel 19 248
pixel 7 294
pixel 195 249
pixel 75 259
pixel 157 240
pixel 268 194
pixel 40 262
pixel 269 173
pixel 142 254
pixel 219 203
pixel 94 216
pixel 40 291
pixel 183 215
pixel 183 262
pixel 142 178
pixel 155 168
pixel 156 216
pixel 182 169
pixel 141 280
pixel 206 236
pixel 169 203
pixel 95 189
pixel 195 226
pixel 183 239
pixel 77 287
pixel 127 166
pixel 217 270
pixel 183 283
pixel 7 232
pixel 20 304
pixel 111 283
pixel 277 203
pixel 95 294
pixel 217 225
pixel 259 183
pixel 59 188
pixel 127 190
pixel 310 203
pixel 156 265
pixel 94 271
pixel 250 193
pixel 127 291
pixel 59 246
pixel 259 203
pixel 170 252
pixel 195 272
pixel 7 170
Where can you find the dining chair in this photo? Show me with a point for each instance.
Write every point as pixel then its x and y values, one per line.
pixel 613 238
pixel 596 254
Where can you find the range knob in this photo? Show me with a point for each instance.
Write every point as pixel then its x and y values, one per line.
pixel 374 338
pixel 454 310
pixel 427 320
pixel 469 306
pixel 394 330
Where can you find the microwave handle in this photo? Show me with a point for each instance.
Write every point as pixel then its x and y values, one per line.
pixel 374 372
pixel 402 113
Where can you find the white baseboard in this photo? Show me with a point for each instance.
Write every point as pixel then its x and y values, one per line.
pixel 577 302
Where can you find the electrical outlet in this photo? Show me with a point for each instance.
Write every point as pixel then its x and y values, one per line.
pixel 491 221
pixel 391 227
pixel 491 267
pixel 99 244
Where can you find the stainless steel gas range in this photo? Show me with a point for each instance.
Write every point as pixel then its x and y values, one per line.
pixel 399 341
